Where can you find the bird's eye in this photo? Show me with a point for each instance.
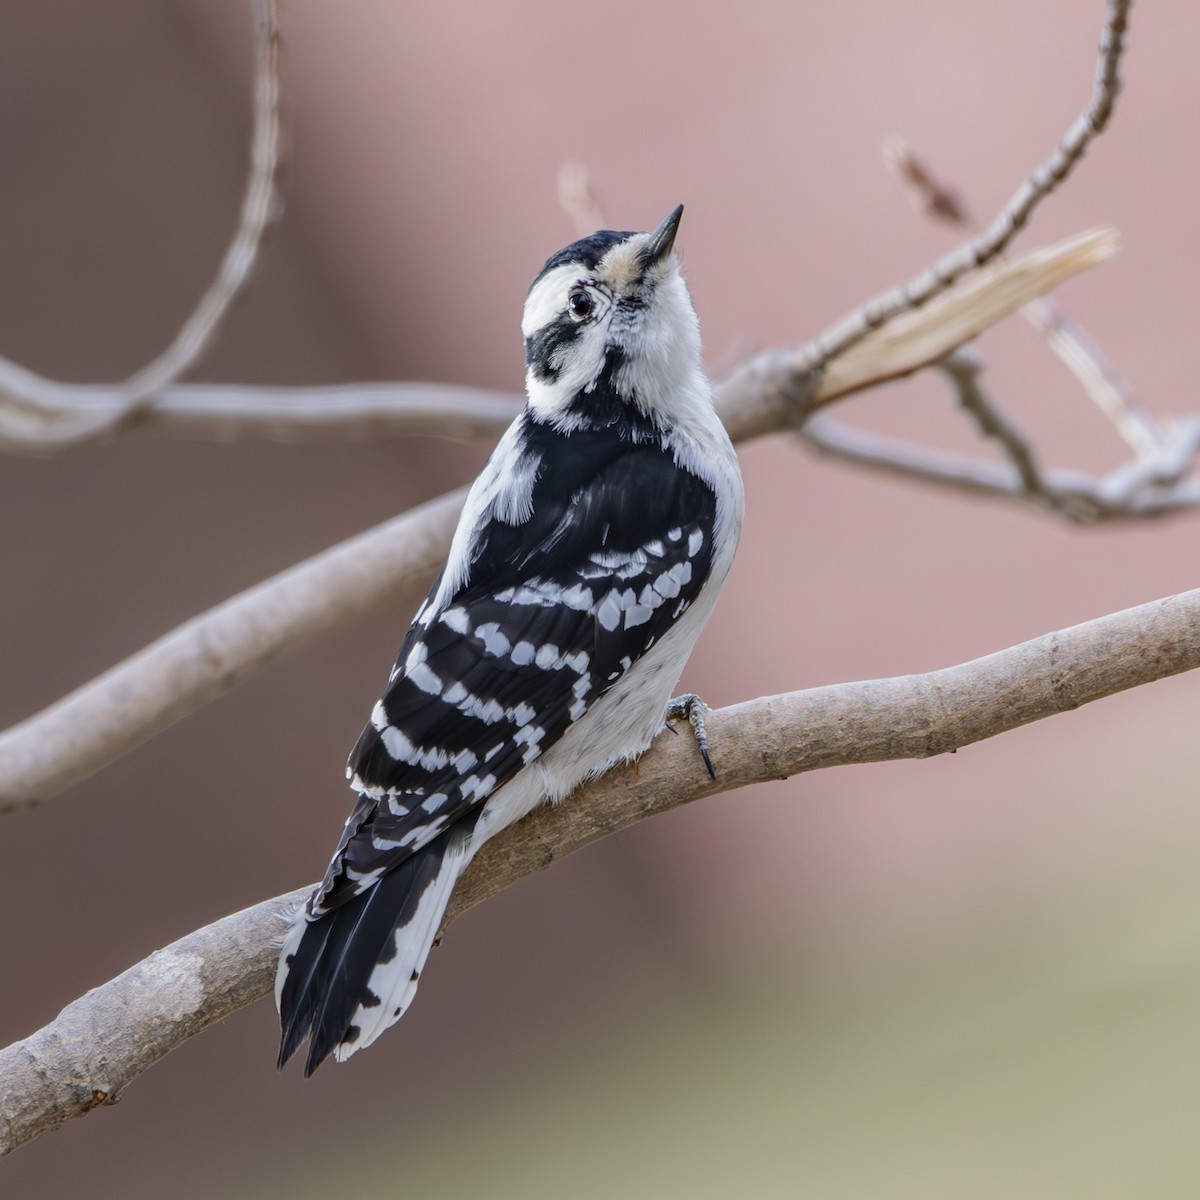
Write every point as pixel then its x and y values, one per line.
pixel 580 304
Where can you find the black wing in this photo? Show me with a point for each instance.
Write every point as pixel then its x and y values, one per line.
pixel 553 611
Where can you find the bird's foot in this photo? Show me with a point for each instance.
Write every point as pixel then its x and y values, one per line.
pixel 694 711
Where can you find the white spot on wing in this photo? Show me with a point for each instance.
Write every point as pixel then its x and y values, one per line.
pixel 609 612
pixel 457 619
pixel 578 597
pixel 402 750
pixel 426 679
pixel 667 586
pixel 494 641
pixel 637 614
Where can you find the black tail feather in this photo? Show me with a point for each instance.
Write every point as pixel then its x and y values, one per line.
pixel 329 972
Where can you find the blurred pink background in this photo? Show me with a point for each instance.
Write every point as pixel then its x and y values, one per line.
pixel 423 149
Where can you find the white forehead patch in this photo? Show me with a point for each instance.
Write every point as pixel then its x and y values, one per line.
pixel 549 294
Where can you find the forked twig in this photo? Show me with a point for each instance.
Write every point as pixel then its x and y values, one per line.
pixel 1101 379
pixel 1007 224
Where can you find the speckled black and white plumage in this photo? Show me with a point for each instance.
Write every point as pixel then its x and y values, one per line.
pixel 588 557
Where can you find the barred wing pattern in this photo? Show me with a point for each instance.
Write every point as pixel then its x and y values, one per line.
pixel 545 624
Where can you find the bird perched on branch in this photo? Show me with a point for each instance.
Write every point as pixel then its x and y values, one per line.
pixel 588 557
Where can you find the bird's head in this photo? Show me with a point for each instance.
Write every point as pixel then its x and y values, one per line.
pixel 608 320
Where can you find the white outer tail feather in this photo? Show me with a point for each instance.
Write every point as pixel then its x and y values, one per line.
pixel 395 982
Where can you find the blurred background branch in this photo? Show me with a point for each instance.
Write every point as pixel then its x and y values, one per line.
pixel 38 413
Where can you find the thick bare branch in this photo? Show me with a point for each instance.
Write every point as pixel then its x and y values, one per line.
pixel 31 408
pixel 104 1040
pixel 1008 223
pixel 204 658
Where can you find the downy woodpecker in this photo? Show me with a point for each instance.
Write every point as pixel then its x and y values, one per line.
pixel 587 560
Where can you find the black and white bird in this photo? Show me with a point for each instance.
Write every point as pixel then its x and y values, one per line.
pixel 587 560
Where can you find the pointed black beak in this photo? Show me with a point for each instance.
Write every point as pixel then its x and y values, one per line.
pixel 662 239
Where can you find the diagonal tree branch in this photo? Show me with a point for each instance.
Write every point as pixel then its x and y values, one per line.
pixel 104 1040
pixel 206 656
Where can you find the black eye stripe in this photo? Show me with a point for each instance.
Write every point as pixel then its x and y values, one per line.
pixel 542 347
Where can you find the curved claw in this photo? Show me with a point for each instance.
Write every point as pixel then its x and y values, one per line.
pixel 694 711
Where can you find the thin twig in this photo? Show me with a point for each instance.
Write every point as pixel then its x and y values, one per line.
pixel 1007 224
pixel 54 426
pixel 103 1041
pixel 1133 492
pixel 1102 381
pixel 962 368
